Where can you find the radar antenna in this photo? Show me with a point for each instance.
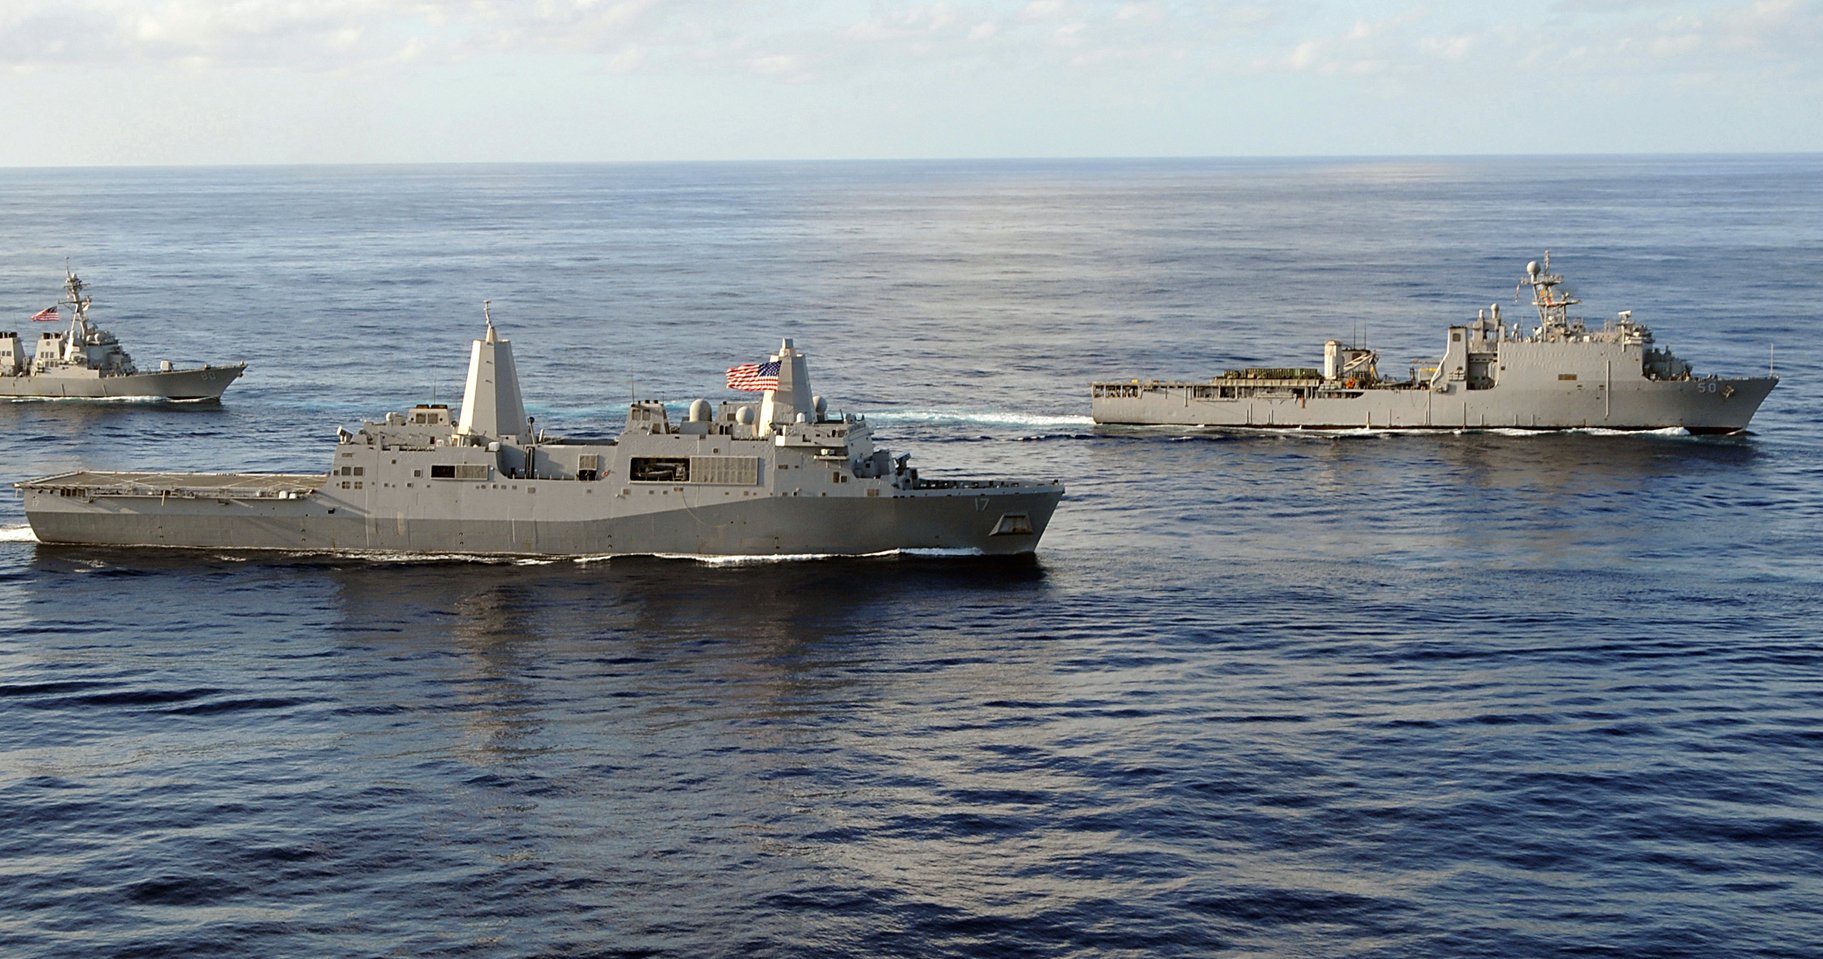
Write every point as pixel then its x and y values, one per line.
pixel 79 306
pixel 1553 306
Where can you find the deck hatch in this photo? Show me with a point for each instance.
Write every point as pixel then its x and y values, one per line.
pixel 1013 524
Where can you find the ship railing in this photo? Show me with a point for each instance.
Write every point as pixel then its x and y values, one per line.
pixel 83 484
pixel 175 492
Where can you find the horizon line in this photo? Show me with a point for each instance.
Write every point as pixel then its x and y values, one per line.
pixel 1130 158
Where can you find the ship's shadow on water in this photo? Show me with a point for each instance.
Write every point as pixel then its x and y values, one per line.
pixel 501 598
pixel 1388 459
pixel 41 421
pixel 648 597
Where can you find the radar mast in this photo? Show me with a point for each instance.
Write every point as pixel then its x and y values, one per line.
pixel 1553 307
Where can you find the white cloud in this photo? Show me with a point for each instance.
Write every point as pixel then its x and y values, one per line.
pixel 840 40
pixel 1305 55
pixel 1367 46
pixel 627 60
pixel 1675 44
pixel 1456 47
pixel 1150 12
pixel 1043 9
pixel 1690 39
pixel 291 35
pixel 782 65
pixel 1697 39
pixel 922 21
pixel 890 76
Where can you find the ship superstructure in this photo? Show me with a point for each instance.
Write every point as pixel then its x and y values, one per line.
pixel 1562 374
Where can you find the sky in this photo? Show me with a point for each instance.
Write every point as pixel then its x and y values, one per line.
pixel 157 82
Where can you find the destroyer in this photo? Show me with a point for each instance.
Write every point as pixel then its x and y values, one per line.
pixel 776 476
pixel 85 362
pixel 1563 375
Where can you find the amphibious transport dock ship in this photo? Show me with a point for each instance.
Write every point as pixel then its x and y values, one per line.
pixel 1562 375
pixel 776 476
pixel 85 362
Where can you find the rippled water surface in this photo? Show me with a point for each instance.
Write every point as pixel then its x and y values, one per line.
pixel 1364 694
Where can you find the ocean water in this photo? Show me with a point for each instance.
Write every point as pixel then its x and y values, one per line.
pixel 1357 694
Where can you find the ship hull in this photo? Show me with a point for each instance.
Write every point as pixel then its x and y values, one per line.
pixel 776 477
pixel 1711 405
pixel 564 520
pixel 202 383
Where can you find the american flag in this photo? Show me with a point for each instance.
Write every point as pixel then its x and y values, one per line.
pixel 754 377
pixel 46 315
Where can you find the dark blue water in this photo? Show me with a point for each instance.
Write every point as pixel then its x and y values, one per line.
pixel 1281 695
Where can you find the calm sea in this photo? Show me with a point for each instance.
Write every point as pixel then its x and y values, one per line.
pixel 1365 694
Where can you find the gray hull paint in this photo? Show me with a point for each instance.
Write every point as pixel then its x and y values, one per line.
pixel 770 526
pixel 776 477
pixel 202 383
pixel 1700 406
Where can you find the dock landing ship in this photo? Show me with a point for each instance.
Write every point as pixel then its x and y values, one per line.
pixel 776 476
pixel 86 362
pixel 1562 375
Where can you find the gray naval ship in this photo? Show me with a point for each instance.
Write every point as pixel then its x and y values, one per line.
pixel 1561 375
pixel 86 362
pixel 776 476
